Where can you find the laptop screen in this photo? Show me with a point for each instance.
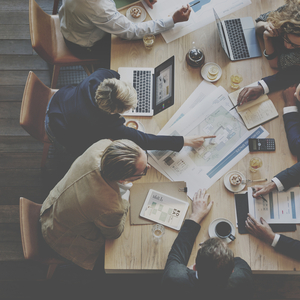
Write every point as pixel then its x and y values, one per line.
pixel 164 85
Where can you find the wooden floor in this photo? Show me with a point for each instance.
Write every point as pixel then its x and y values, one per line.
pixel 20 175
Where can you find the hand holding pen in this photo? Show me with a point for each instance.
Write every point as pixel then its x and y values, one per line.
pixel 255 194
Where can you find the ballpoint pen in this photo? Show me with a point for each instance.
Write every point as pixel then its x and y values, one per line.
pixel 261 196
pixel 194 3
pixel 234 107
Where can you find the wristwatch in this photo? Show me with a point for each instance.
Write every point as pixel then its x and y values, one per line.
pixel 270 56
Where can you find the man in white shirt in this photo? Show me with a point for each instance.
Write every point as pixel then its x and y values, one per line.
pixel 261 229
pixel 86 25
pixel 288 79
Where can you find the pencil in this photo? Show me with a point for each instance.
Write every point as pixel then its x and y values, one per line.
pixel 194 3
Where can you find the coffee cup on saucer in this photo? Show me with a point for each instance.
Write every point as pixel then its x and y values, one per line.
pixel 223 230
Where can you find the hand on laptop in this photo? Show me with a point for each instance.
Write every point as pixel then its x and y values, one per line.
pixel 182 14
pixel 196 141
pixel 250 93
pixel 150 3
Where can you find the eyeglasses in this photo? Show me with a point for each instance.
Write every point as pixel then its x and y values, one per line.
pixel 287 40
pixel 145 170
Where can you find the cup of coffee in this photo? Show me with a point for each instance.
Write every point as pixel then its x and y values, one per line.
pixel 223 230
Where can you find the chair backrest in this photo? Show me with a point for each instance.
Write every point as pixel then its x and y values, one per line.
pixel 33 109
pixel 29 225
pixel 41 32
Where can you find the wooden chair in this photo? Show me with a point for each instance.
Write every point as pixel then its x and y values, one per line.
pixel 33 111
pixel 30 227
pixel 48 42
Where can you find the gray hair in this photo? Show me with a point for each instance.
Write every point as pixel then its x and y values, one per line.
pixel 119 160
pixel 115 96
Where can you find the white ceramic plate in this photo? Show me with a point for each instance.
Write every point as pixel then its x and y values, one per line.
pixel 140 125
pixel 212 226
pixel 233 188
pixel 141 18
pixel 205 69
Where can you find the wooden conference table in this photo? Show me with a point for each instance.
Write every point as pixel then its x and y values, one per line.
pixel 135 251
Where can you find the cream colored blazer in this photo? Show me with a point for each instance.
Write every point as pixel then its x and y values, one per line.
pixel 83 210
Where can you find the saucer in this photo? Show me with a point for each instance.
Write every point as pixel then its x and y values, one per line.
pixel 212 226
pixel 140 125
pixel 140 19
pixel 229 186
pixel 205 69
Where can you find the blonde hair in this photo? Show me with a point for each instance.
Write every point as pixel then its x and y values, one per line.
pixel 115 96
pixel 287 20
pixel 119 160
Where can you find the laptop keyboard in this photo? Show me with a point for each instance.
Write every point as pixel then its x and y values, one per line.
pixel 142 84
pixel 237 39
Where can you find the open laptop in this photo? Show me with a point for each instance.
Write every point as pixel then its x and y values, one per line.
pixel 155 87
pixel 238 38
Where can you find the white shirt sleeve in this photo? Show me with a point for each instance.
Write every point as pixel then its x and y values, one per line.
pixel 108 19
pixel 275 241
pixel 265 87
pixel 290 109
pixel 278 183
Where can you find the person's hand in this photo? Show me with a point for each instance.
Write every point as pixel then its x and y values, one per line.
pixel 196 141
pixel 249 93
pixel 182 14
pixel 150 3
pixel 289 96
pixel 261 229
pixel 200 206
pixel 269 31
pixel 297 92
pixel 264 189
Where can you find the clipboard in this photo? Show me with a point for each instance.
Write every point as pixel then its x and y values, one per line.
pixel 139 192
pixel 242 209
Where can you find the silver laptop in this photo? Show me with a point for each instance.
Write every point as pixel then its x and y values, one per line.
pixel 238 38
pixel 155 87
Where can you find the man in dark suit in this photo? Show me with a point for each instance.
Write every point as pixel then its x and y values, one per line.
pixel 216 273
pixel 260 229
pixel 286 79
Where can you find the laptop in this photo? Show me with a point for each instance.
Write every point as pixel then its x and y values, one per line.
pixel 238 38
pixel 155 87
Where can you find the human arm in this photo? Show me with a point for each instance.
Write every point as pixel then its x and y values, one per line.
pixel 249 93
pixel 290 177
pixel 196 141
pixel 150 3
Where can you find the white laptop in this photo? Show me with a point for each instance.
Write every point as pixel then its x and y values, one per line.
pixel 238 38
pixel 155 87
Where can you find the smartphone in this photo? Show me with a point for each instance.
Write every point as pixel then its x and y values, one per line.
pixel 261 145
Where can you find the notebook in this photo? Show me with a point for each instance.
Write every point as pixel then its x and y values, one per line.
pixel 238 38
pixel 155 87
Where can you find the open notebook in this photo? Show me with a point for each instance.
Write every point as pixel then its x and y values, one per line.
pixel 255 112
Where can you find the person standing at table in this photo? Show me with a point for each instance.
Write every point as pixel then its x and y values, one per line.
pixel 281 34
pixel 216 274
pixel 261 229
pixel 86 206
pixel 78 116
pixel 288 79
pixel 86 25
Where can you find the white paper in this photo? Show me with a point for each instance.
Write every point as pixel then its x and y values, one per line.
pixel 202 167
pixel 280 207
pixel 164 209
pixel 201 15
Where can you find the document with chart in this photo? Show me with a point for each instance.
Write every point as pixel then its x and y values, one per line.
pixel 202 167
pixel 277 208
pixel 201 14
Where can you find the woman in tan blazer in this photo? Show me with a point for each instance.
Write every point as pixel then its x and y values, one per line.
pixel 86 207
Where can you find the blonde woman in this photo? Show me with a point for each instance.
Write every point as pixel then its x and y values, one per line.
pixel 281 34
pixel 78 116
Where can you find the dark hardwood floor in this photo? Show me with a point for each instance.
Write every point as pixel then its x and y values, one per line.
pixel 20 175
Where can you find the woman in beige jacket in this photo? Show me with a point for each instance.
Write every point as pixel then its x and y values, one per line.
pixel 86 207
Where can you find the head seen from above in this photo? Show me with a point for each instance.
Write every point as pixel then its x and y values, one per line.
pixel 115 96
pixel 123 161
pixel 214 263
pixel 287 21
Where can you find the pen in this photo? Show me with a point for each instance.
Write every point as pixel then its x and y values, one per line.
pixel 234 107
pixel 261 196
pixel 194 3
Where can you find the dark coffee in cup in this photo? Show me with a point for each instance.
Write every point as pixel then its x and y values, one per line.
pixel 223 230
